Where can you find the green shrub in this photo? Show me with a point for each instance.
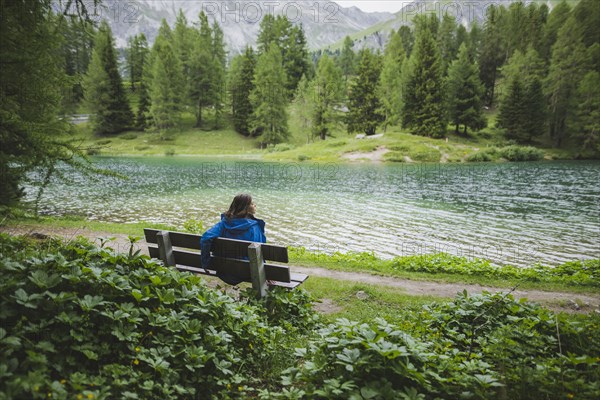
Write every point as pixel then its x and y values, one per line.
pixel 193 226
pixel 92 151
pixel 303 157
pixel 81 321
pixel 337 143
pixel 170 152
pixel 129 136
pixel 518 153
pixel 478 347
pixel 103 142
pixel 141 147
pixel 480 156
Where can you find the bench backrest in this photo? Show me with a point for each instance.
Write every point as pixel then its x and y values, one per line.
pixel 227 255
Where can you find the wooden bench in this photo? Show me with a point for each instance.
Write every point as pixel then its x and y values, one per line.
pixel 227 257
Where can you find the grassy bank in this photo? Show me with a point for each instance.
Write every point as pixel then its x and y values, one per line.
pixel 396 145
pixel 573 277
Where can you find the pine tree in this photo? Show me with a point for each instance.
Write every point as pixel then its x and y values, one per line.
pixel 219 72
pixel 182 43
pixel 523 110
pixel 535 123
pixel 568 65
pixel 491 53
pixel 269 98
pixel 296 57
pixel 390 86
pixel 304 105
pixel 465 93
pixel 513 112
pixel 136 59
pixel 241 84
pixel 559 15
pixel 202 70
pixel 586 121
pixel 347 58
pixel 141 118
pixel 424 92
pixel 528 67
pixel 104 89
pixel 447 41
pixel 408 39
pixel 328 88
pixel 364 107
pixel 165 81
pixel 268 34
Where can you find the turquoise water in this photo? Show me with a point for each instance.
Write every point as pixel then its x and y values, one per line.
pixel 512 213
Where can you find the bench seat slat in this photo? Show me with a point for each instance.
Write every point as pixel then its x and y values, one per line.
pixel 226 247
pixel 230 266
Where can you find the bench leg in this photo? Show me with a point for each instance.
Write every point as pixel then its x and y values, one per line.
pixel 165 250
pixel 257 270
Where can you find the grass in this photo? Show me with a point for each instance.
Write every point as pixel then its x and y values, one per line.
pixel 362 302
pixel 400 145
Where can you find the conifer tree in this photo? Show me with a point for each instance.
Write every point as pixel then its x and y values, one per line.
pixel 165 80
pixel 202 69
pixel 492 53
pixel 219 73
pixel 347 58
pixel 136 59
pixel 269 98
pixel 141 117
pixel 465 93
pixel 304 102
pixel 559 15
pixel 447 41
pixel 513 111
pixel 424 109
pixel 568 65
pixel 104 90
pixel 587 115
pixel 528 66
pixel 364 106
pixel 296 57
pixel 327 88
pixel 390 85
pixel 241 84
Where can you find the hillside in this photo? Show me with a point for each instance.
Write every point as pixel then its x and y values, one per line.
pixel 465 11
pixel 324 22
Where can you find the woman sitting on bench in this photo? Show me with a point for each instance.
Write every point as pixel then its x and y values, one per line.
pixel 237 223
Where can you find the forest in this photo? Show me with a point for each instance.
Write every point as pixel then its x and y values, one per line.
pixel 537 68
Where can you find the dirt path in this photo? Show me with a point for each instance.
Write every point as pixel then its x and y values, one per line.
pixel 571 302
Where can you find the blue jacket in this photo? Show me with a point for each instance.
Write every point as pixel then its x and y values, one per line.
pixel 250 229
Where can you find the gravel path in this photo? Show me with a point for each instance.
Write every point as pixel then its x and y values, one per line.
pixel 570 302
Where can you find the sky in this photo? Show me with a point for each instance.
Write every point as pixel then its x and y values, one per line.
pixel 376 5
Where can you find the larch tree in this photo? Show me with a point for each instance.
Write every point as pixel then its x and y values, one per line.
pixel 269 98
pixel 364 106
pixel 104 92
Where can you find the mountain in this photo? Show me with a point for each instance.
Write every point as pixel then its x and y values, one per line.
pixel 465 11
pixel 324 22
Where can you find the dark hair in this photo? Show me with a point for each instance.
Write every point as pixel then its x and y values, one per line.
pixel 239 206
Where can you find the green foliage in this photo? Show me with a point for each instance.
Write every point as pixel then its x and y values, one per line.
pixel 518 153
pixel 465 93
pixel 469 348
pixel 289 308
pixel 194 226
pixel 390 84
pixel 480 156
pixel 424 92
pixel 269 98
pixel 104 92
pixel 327 91
pixel 364 106
pixel 241 84
pixel 92 321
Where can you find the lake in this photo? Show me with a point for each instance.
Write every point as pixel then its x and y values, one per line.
pixel 510 213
